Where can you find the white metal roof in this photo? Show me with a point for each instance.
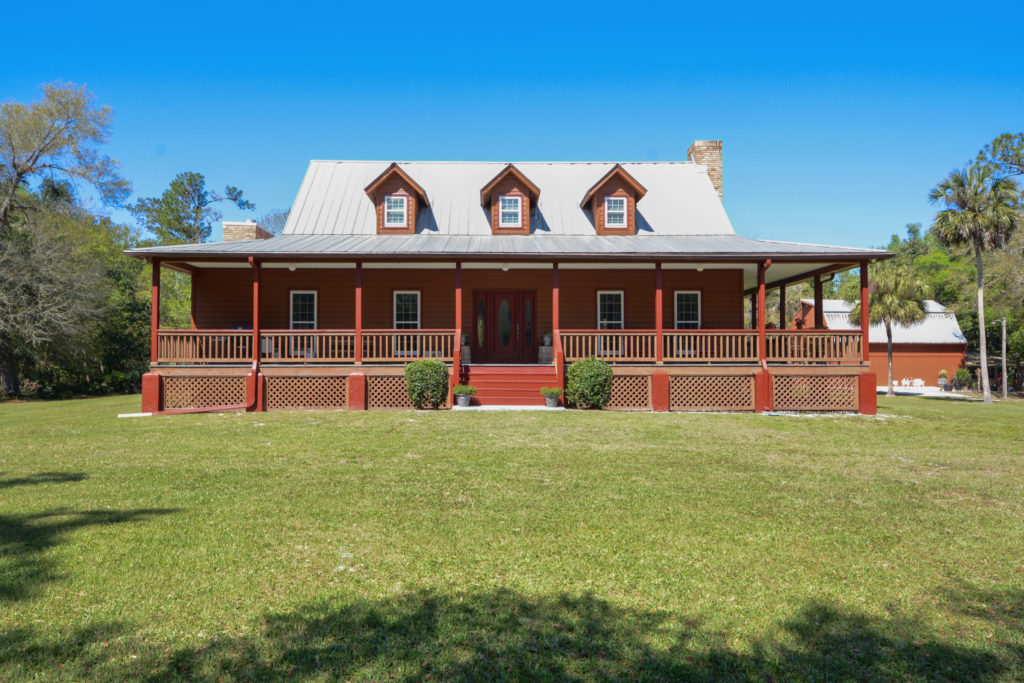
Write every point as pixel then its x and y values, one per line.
pixel 938 327
pixel 680 198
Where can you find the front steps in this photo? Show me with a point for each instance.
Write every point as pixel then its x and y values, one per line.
pixel 509 385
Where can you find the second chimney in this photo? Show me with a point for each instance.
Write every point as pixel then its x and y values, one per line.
pixel 243 230
pixel 709 154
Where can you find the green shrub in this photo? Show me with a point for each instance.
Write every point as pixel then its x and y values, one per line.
pixel 963 376
pixel 943 373
pixel 589 383
pixel 464 390
pixel 551 391
pixel 426 382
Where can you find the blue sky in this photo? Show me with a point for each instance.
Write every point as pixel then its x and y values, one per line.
pixel 835 121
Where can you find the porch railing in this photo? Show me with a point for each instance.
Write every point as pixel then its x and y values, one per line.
pixel 814 346
pixel 624 346
pixel 710 346
pixel 400 346
pixel 306 346
pixel 204 346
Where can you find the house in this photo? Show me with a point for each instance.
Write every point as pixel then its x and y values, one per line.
pixel 919 351
pixel 507 272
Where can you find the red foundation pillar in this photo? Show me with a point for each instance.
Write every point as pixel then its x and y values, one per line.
pixel 151 384
pixel 357 391
pixel 659 391
pixel 868 386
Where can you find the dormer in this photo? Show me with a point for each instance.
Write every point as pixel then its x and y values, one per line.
pixel 397 199
pixel 612 201
pixel 509 197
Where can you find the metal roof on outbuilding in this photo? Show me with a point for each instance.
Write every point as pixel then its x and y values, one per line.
pixel 938 327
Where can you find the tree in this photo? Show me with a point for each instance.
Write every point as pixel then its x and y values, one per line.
pixel 58 137
pixel 1005 155
pixel 274 221
pixel 895 297
pixel 981 214
pixel 185 211
pixel 50 292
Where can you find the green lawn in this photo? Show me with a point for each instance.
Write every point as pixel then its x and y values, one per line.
pixel 392 545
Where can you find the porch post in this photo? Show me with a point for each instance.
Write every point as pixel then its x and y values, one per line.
pixel 154 325
pixel 819 315
pixel 457 349
pixel 762 335
pixel 557 351
pixel 865 317
pixel 255 309
pixel 659 313
pixel 782 307
pixel 359 314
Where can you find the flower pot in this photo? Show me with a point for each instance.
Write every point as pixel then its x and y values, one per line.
pixel 463 400
pixel 551 401
pixel 546 340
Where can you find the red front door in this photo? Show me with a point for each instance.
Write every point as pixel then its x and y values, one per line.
pixel 505 327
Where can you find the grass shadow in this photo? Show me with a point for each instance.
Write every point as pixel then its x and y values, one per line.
pixel 42 478
pixel 502 635
pixel 24 540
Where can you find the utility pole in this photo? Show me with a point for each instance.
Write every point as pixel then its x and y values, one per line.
pixel 1005 395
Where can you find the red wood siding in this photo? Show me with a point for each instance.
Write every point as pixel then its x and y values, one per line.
pixel 223 297
pixel 916 361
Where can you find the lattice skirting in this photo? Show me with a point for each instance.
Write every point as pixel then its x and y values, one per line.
pixel 386 392
pixel 815 392
pixel 630 392
pixel 306 392
pixel 202 392
pixel 711 392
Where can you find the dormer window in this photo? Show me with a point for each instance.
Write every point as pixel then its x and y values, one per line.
pixel 511 212
pixel 509 198
pixel 396 209
pixel 397 200
pixel 615 212
pixel 612 202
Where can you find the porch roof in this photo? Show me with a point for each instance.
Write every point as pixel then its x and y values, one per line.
pixel 555 247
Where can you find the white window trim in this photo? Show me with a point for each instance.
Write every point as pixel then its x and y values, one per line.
pixel 675 307
pixel 625 213
pixel 622 306
pixel 394 307
pixel 405 211
pixel 291 306
pixel 519 211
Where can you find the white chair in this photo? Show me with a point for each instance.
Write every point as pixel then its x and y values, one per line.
pixel 918 383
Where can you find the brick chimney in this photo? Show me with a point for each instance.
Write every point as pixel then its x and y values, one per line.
pixel 709 154
pixel 236 231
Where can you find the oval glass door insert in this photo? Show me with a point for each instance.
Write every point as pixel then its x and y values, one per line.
pixel 504 323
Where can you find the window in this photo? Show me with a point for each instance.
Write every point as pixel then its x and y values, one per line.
pixel 687 310
pixel 511 212
pixel 610 310
pixel 615 212
pixel 303 310
pixel 407 310
pixel 395 211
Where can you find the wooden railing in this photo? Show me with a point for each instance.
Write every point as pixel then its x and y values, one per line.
pixel 813 346
pixel 710 346
pixel 401 346
pixel 204 346
pixel 308 346
pixel 614 346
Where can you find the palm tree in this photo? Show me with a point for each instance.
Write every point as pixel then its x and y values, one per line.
pixel 895 297
pixel 981 214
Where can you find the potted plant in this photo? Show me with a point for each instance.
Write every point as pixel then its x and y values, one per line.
pixel 551 396
pixel 463 394
pixel 465 340
pixel 943 378
pixel 545 338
